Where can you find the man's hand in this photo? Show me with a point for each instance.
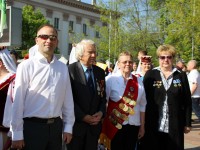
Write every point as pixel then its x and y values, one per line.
pixel 187 130
pixel 94 119
pixel 97 117
pixel 141 132
pixel 67 137
pixel 18 144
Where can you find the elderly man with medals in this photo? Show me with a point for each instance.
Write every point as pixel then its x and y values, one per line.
pixel 124 121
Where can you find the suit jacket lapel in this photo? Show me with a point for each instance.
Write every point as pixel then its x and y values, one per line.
pixel 80 73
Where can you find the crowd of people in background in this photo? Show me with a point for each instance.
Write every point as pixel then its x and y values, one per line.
pixel 88 105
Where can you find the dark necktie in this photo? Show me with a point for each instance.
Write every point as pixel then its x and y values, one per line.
pixel 90 81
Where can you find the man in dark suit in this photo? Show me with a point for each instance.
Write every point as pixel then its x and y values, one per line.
pixel 88 87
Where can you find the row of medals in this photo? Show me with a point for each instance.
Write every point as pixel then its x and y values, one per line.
pixel 158 84
pixel 116 116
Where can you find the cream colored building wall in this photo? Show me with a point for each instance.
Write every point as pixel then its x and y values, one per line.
pixel 65 14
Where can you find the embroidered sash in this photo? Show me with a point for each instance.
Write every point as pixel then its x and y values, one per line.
pixel 118 112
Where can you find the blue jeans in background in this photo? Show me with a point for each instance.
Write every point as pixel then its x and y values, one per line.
pixel 196 106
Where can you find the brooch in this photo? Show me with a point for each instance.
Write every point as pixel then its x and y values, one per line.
pixel 158 84
pixel 176 83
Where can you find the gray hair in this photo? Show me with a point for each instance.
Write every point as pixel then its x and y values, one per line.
pixel 193 63
pixel 80 47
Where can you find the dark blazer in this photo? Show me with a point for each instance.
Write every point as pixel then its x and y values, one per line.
pixel 84 103
pixel 179 105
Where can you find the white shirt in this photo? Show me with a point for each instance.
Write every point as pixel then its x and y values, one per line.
pixel 194 77
pixel 115 88
pixel 42 90
pixel 9 101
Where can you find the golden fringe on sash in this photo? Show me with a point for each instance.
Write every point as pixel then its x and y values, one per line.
pixel 105 141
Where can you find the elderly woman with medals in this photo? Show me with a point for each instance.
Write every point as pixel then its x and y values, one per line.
pixel 168 109
pixel 124 121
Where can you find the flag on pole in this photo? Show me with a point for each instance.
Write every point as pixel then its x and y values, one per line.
pixel 3 24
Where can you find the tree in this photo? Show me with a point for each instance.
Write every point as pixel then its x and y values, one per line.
pixel 179 24
pixel 31 21
pixel 130 26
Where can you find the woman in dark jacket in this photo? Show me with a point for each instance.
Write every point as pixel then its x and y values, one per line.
pixel 168 109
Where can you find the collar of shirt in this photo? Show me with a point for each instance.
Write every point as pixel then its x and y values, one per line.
pixel 173 69
pixel 38 56
pixel 85 68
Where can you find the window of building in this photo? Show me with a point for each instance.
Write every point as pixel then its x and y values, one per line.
pixel 97 34
pixel 56 23
pixel 71 26
pixel 85 29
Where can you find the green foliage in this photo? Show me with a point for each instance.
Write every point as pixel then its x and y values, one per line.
pixel 145 24
pixel 130 27
pixel 179 20
pixel 32 20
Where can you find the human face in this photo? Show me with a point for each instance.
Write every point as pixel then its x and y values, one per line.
pixel 145 66
pixel 134 67
pixel 89 55
pixel 125 64
pixel 47 40
pixel 165 60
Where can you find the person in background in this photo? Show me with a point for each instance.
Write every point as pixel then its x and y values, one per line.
pixel 14 55
pixel 88 87
pixel 185 69
pixel 168 109
pixel 42 96
pixel 7 77
pixel 145 66
pixel 124 121
pixel 180 64
pixel 140 54
pixel 134 68
pixel 194 82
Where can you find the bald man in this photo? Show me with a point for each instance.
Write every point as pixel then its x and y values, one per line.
pixel 194 82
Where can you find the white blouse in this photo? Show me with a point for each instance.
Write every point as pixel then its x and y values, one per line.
pixel 115 87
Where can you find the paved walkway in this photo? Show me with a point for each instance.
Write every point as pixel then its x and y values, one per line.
pixel 192 139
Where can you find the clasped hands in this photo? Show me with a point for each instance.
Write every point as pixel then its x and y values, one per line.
pixel 93 119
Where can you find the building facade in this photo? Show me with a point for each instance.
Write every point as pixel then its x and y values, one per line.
pixel 69 17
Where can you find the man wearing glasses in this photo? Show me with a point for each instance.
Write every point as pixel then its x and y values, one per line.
pixel 42 97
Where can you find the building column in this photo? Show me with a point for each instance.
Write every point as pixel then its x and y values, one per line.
pixel 93 2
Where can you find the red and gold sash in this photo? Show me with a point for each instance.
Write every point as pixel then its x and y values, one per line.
pixel 2 85
pixel 118 112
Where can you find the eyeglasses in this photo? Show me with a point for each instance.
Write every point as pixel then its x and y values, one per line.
pixel 165 57
pixel 125 62
pixel 45 37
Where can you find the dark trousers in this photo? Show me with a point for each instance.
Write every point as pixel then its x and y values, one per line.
pixel 88 141
pixel 125 138
pixel 43 136
pixel 196 107
pixel 160 141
